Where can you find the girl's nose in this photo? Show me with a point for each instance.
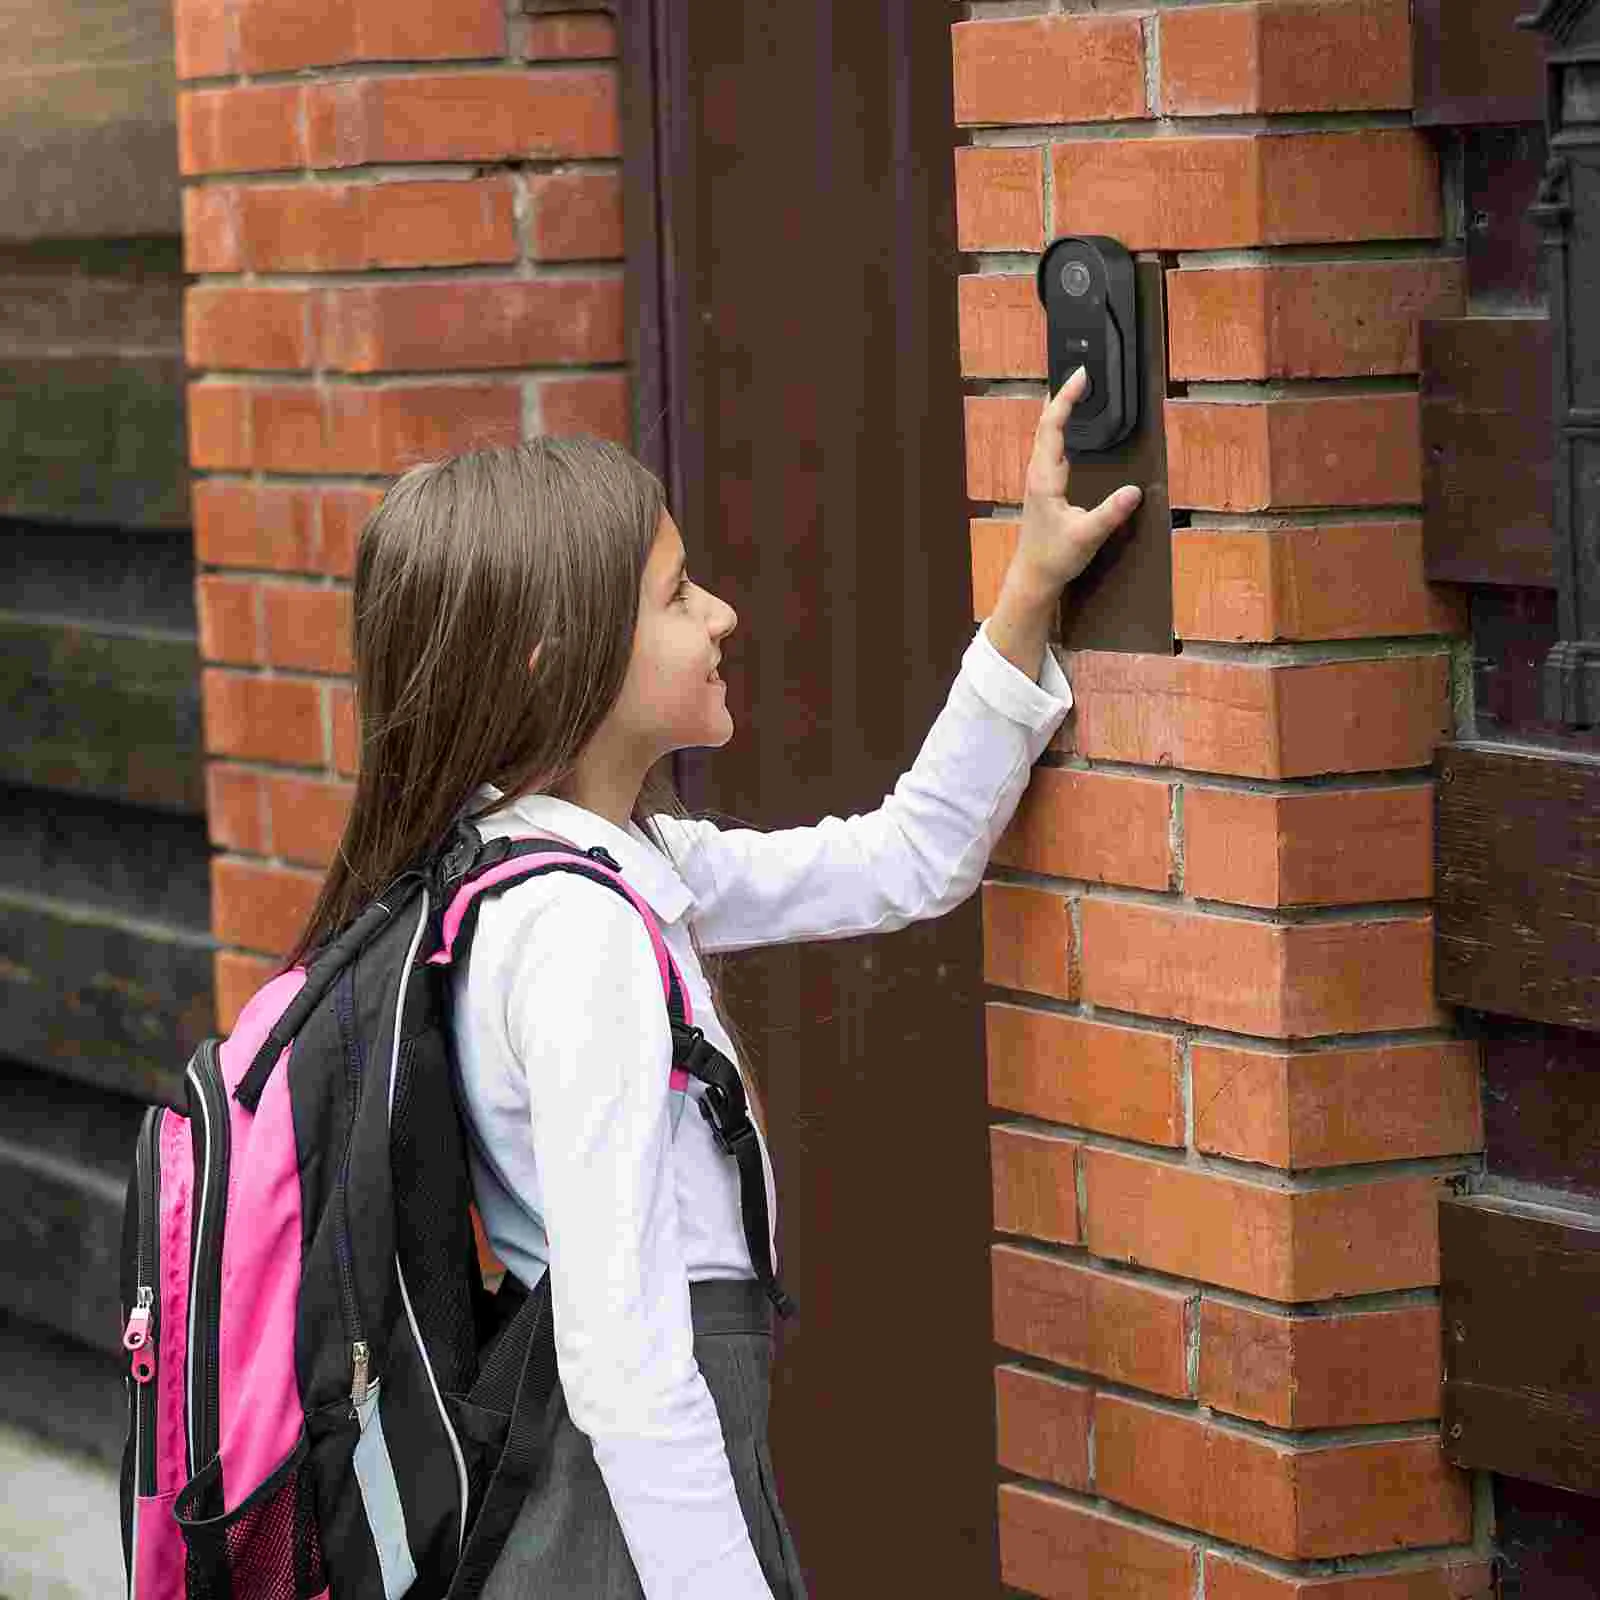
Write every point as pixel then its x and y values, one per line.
pixel 725 620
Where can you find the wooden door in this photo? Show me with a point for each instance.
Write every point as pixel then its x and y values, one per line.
pixel 793 268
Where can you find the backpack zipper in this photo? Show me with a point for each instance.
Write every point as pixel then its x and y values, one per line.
pixel 140 1335
pixel 209 1121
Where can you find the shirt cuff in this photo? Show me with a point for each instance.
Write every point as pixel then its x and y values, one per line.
pixel 1040 706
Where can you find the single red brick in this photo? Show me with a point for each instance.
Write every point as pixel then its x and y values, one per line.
pixel 203 38
pixel 1359 580
pixel 329 227
pixel 1002 326
pixel 219 425
pixel 532 113
pixel 308 817
pixel 307 628
pixel 1343 319
pixel 1028 942
pixel 238 524
pixel 261 719
pixel 999 199
pixel 1348 1370
pixel 327 428
pixel 1230 1578
pixel 1121 1328
pixel 574 38
pixel 235 977
pixel 1042 1426
pixel 1272 454
pixel 265 329
pixel 472 324
pixel 577 216
pixel 1063 1550
pixel 1282 981
pixel 1332 1108
pixel 255 128
pixel 1259 721
pixel 1092 825
pixel 1322 847
pixel 1327 55
pixel 1279 1244
pixel 260 907
pixel 1218 192
pixel 283 35
pixel 236 813
pixel 1049 69
pixel 597 405
pixel 1353 1499
pixel 994 542
pixel 344 512
pixel 1035 1184
pixel 211 240
pixel 999 436
pixel 1091 1074
pixel 227 612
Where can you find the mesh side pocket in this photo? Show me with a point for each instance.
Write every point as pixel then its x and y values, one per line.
pixel 267 1548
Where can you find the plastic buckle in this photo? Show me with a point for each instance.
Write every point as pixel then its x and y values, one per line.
pixel 731 1135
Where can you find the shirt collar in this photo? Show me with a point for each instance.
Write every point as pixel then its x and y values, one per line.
pixel 647 869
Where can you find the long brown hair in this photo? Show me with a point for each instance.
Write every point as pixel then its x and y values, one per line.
pixel 470 569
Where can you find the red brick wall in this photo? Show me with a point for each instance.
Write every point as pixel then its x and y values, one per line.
pixel 406 222
pixel 1227 1100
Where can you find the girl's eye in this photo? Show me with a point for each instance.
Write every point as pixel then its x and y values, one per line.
pixel 683 589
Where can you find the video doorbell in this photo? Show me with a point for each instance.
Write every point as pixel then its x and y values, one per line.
pixel 1091 303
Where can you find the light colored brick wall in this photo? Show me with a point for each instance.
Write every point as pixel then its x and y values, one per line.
pixel 1226 1100
pixel 407 225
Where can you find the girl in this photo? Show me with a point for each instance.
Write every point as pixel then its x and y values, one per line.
pixel 529 645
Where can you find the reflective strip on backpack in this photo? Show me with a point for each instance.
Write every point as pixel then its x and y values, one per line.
pixel 380 1496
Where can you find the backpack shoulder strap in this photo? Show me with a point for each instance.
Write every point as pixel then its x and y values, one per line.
pixel 724 1104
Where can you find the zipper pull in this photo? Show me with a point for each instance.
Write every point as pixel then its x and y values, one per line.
pixel 136 1336
pixel 358 1378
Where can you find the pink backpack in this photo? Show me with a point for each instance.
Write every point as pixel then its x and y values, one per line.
pixel 324 1398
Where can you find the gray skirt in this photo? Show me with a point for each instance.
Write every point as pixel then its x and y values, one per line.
pixel 567 1544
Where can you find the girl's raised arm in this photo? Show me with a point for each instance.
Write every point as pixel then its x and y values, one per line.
pixel 923 850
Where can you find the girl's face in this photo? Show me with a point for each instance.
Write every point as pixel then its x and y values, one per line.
pixel 673 697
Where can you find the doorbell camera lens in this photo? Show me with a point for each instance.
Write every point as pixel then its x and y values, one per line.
pixel 1075 279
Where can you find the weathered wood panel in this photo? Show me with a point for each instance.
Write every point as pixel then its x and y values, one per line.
pixel 1541 1105
pixel 108 1002
pixel 1501 169
pixel 88 111
pixel 1520 1292
pixel 64 1162
pixel 1472 64
pixel 108 713
pixel 146 866
pixel 1517 913
pixel 1123 599
pixel 1488 442
pixel 91 383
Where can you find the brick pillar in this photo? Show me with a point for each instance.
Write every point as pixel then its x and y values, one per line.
pixel 1227 1101
pixel 406 222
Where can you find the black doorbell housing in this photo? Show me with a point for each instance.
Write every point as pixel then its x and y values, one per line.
pixel 1087 284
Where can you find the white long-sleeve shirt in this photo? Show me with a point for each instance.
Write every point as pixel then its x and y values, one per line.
pixel 582 1159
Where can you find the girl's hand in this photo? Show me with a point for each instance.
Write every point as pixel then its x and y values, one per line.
pixel 1059 539
pixel 1057 542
